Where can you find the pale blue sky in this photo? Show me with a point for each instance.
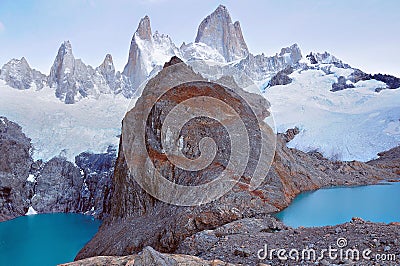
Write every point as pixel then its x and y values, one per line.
pixel 363 33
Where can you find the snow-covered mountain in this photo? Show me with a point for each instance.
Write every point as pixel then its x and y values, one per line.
pixel 18 74
pixel 147 53
pixel 323 96
pixel 74 80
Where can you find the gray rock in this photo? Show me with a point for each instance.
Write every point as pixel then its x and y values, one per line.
pixel 58 187
pixel 281 78
pixel 151 257
pixel 341 84
pixel 241 246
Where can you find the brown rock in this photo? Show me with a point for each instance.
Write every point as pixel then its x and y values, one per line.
pixel 138 219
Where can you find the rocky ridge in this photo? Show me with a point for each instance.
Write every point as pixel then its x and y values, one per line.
pixel 149 257
pixel 325 62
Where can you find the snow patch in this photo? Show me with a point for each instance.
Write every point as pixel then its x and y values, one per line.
pixel 31 211
pixel 31 178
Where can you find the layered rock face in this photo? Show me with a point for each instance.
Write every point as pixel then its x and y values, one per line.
pixel 61 186
pixel 18 74
pixel 138 219
pixel 15 164
pixel 218 32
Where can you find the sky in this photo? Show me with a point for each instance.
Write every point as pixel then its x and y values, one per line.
pixel 362 33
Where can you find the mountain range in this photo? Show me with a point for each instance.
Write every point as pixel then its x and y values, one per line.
pixel 219 48
pixel 312 91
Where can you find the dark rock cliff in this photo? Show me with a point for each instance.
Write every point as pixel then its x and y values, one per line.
pixel 15 163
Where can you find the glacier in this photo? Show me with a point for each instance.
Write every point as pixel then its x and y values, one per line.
pixel 352 124
pixel 57 128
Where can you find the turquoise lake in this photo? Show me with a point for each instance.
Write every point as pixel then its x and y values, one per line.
pixel 332 206
pixel 50 239
pixel 45 239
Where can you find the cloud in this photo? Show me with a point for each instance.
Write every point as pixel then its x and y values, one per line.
pixel 2 27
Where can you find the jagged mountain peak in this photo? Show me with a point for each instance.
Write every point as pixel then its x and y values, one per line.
pixel 65 48
pixel 325 58
pixel 144 29
pixel 18 74
pixel 148 53
pixel 221 9
pixel 218 32
pixel 74 80
pixel 18 62
pixel 107 68
pixel 23 61
pixel 293 47
pixel 107 62
pixel 64 62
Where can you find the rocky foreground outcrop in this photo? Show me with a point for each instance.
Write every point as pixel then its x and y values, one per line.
pixel 148 257
pixel 250 241
pixel 138 220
